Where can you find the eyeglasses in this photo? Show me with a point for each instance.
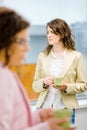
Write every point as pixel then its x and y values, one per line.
pixel 22 41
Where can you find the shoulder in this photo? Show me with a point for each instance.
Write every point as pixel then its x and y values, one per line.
pixel 6 75
pixel 4 72
pixel 75 53
pixel 8 84
pixel 42 55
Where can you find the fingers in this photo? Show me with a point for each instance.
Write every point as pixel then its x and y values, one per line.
pixel 70 128
pixel 49 111
pixel 48 80
pixel 62 120
pixel 46 114
pixel 55 123
pixel 61 87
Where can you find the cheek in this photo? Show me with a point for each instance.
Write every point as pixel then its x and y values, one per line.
pixel 16 58
pixel 17 50
pixel 13 50
pixel 15 53
pixel 57 38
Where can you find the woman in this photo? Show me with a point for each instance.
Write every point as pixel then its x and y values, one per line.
pixel 15 113
pixel 59 60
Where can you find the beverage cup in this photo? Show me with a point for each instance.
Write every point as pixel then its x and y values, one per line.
pixel 64 113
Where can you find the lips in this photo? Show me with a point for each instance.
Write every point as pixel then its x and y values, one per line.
pixel 50 40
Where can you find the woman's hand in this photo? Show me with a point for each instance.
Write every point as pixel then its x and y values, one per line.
pixel 55 123
pixel 61 87
pixel 45 114
pixel 48 80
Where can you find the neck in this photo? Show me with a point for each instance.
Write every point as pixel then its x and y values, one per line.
pixel 58 50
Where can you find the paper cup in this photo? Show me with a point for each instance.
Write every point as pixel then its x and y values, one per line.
pixel 64 113
pixel 57 81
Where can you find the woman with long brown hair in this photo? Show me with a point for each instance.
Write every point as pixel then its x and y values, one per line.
pixel 59 60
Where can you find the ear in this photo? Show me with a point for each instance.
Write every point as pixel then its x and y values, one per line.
pixel 10 51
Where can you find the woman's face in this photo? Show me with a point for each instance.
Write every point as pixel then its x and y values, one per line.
pixel 52 37
pixel 19 48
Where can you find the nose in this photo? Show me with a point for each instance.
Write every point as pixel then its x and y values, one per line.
pixel 27 47
pixel 49 35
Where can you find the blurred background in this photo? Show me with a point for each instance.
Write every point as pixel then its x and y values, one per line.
pixel 39 12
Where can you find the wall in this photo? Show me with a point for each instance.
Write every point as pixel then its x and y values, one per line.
pixel 26 74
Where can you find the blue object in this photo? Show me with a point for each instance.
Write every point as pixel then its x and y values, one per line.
pixel 73 118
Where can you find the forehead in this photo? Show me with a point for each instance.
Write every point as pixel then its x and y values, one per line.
pixel 49 29
pixel 23 33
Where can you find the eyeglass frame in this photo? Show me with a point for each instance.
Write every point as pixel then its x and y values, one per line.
pixel 21 41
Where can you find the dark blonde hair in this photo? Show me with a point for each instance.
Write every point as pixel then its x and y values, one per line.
pixel 59 26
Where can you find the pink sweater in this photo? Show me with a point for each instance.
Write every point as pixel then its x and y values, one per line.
pixel 15 113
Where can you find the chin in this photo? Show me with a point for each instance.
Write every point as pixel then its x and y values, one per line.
pixel 51 43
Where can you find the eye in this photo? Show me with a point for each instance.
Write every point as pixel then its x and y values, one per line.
pixel 52 31
pixel 22 41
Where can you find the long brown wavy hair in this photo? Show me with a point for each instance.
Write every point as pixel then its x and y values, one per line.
pixel 59 26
